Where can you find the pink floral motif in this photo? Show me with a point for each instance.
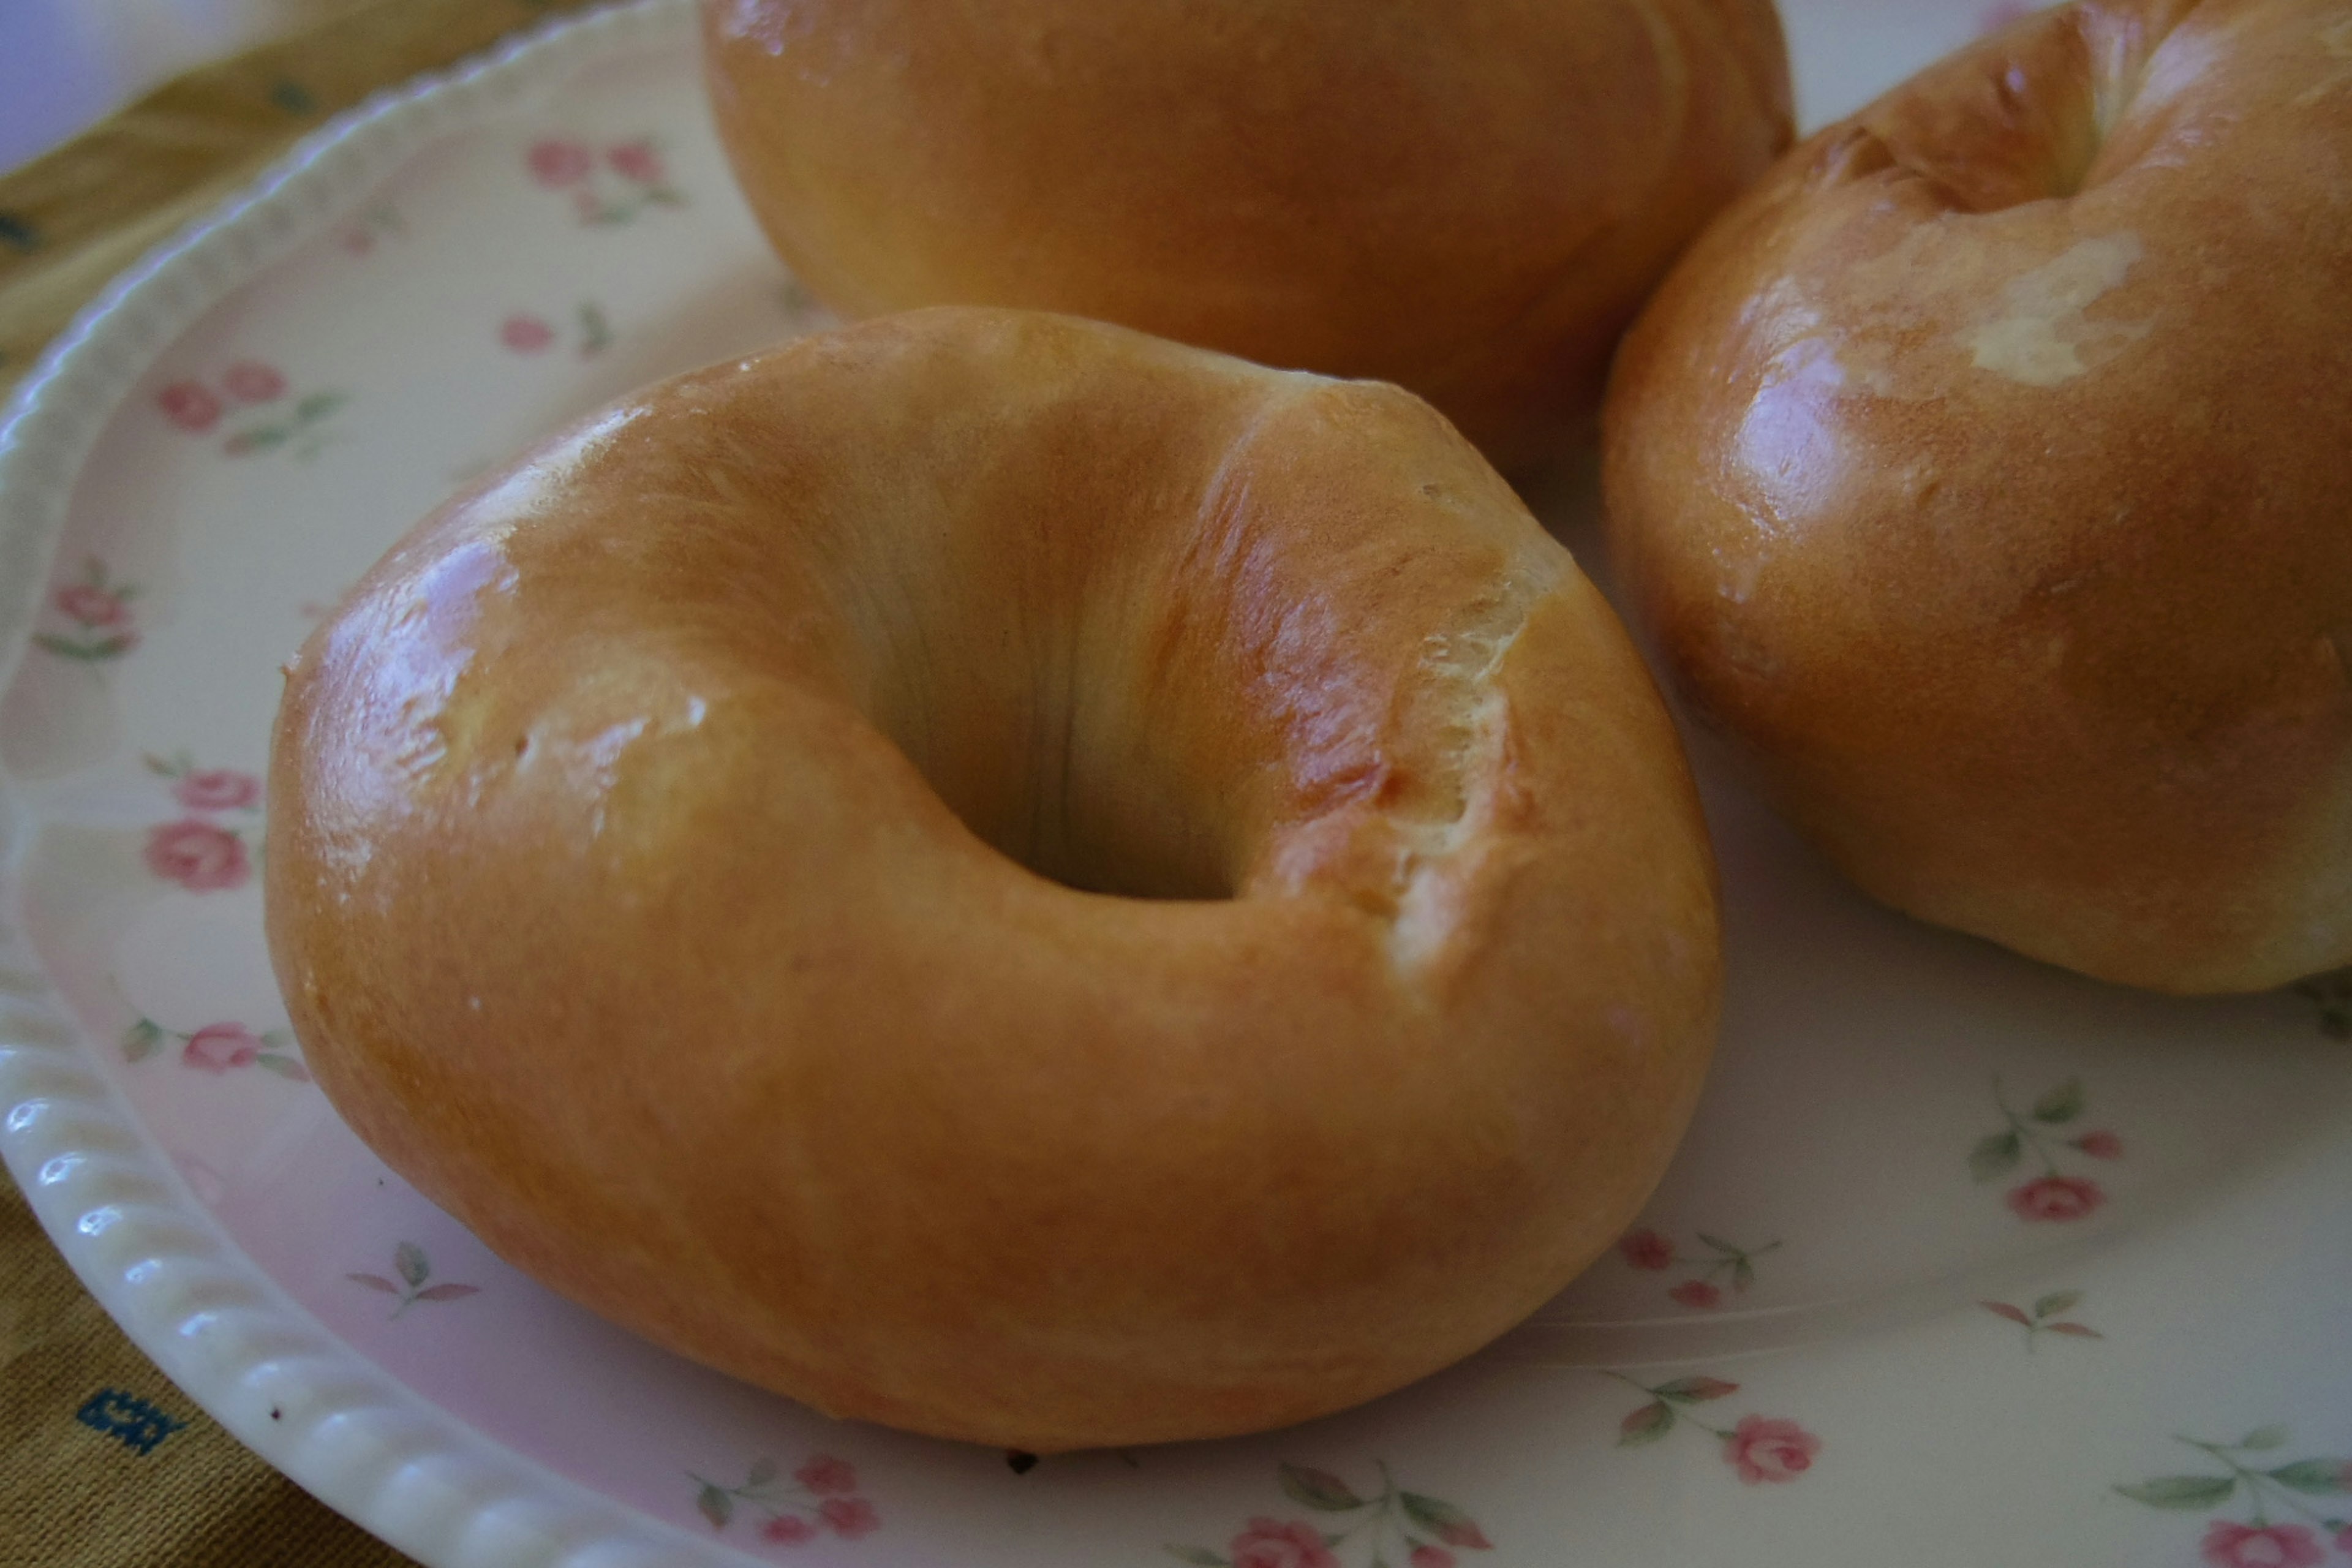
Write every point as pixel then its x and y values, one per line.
pixel 100 610
pixel 92 606
pixel 632 179
pixel 526 335
pixel 1717 1260
pixel 217 789
pixel 2053 1197
pixel 1761 1448
pixel 1769 1450
pixel 1647 1249
pixel 202 856
pixel 196 408
pixel 560 162
pixel 2048 1317
pixel 794 1516
pixel 2258 1541
pixel 1392 1526
pixel 217 1048
pixel 827 1476
pixel 2227 1545
pixel 850 1518
pixel 250 381
pixel 190 405
pixel 1274 1544
pixel 414 1270
pixel 199 855
pixel 636 160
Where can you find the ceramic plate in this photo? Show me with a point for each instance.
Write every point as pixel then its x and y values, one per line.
pixel 1967 1261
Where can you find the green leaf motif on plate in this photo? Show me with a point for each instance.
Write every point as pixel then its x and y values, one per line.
pixel 715 1505
pixel 409 1258
pixel 1442 1519
pixel 2319 1478
pixel 2262 1437
pixel 2057 1301
pixel 140 1040
pixel 1318 1488
pixel 2183 1491
pixel 1696 1390
pixel 2062 1104
pixel 1996 1155
pixel 1647 1425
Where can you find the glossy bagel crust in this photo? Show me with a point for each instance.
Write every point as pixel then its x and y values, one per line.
pixel 642 879
pixel 1468 197
pixel 1987 471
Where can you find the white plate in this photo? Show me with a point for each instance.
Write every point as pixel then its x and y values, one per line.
pixel 2123 1338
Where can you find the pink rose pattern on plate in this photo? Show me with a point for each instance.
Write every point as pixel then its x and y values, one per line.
pixel 2048 1317
pixel 2265 1492
pixel 1723 1264
pixel 617 186
pixel 97 609
pixel 821 1499
pixel 1759 1449
pixel 280 420
pixel 526 333
pixel 218 1048
pixel 197 852
pixel 1394 1525
pixel 199 856
pixel 2053 1197
pixel 414 1272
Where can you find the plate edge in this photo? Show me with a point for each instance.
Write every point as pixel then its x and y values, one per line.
pixel 240 1349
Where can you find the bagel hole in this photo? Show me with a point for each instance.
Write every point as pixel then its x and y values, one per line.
pixel 1079 799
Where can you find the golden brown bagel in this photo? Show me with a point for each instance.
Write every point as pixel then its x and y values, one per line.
pixel 1988 472
pixel 1469 197
pixel 655 879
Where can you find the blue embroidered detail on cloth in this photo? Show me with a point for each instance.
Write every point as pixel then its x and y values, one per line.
pixel 126 1415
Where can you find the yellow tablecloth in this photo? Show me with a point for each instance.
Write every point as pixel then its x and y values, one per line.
pixel 103 1463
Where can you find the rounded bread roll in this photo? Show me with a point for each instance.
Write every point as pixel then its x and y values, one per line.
pixel 1468 197
pixel 1987 473
pixel 676 849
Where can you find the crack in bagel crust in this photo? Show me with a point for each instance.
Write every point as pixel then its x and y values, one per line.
pixel 1466 661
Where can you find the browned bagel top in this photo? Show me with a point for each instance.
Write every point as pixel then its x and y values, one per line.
pixel 655 873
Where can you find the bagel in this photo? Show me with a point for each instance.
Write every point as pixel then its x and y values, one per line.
pixel 1003 877
pixel 1986 474
pixel 1468 197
